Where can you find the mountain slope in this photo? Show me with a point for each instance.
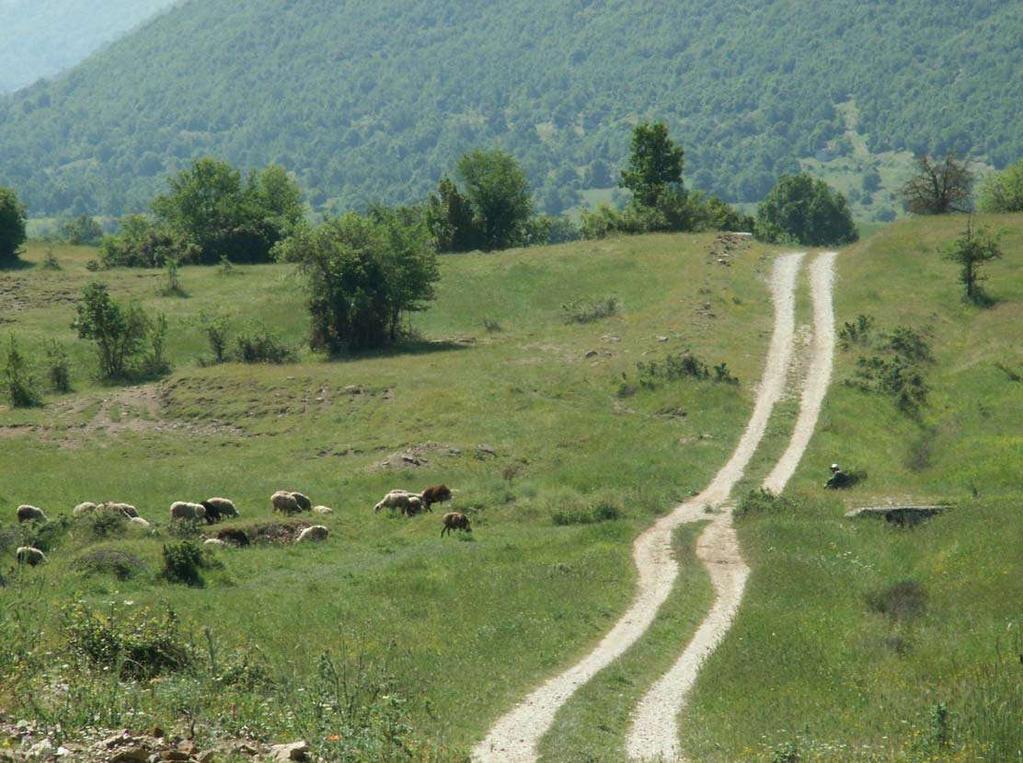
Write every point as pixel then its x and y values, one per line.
pixel 39 38
pixel 373 101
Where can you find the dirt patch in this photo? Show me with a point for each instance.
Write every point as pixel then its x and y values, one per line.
pixel 418 456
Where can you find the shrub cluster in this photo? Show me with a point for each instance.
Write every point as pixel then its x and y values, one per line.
pixel 896 368
pixel 183 562
pixel 587 311
pixel 678 367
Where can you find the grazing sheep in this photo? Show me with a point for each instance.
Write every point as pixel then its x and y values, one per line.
pixel 455 521
pixel 214 542
pixel 84 508
pixel 314 533
pixel 219 508
pixel 28 513
pixel 30 556
pixel 139 523
pixel 435 494
pixel 285 502
pixel 322 510
pixel 233 536
pixel 129 511
pixel 415 505
pixel 396 499
pixel 303 501
pixel 187 511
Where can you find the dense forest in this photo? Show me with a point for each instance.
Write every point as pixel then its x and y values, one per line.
pixel 40 38
pixel 374 101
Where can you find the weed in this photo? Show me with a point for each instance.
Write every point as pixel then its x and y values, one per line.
pixel 173 287
pixel 941 725
pixel 17 381
pixel 260 345
pixel 216 329
pixel 584 311
pixel 226 267
pixel 857 333
pixel 137 645
pixel 761 501
pixel 601 511
pixel 58 367
pixel 183 563
pixel 905 600
pixel 50 262
pixel 104 524
pixel 786 753
pixel 492 326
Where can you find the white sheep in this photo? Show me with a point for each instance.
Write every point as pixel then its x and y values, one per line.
pixel 322 510
pixel 314 533
pixel 139 523
pixel 125 509
pixel 214 543
pixel 187 511
pixel 30 556
pixel 398 499
pixel 84 508
pixel 28 513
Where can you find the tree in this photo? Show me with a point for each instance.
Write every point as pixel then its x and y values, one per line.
pixel 364 275
pixel 18 384
pixel 655 165
pixel 119 332
pixel 1003 191
pixel 12 226
pixel 939 187
pixel 81 230
pixel 449 216
pixel 804 210
pixel 144 244
pixel 498 191
pixel 971 250
pixel 209 203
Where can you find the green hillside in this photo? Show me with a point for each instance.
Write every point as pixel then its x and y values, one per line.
pixel 373 101
pixel 41 38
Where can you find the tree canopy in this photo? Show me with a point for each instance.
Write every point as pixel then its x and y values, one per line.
pixel 939 186
pixel 12 226
pixel 803 210
pixel 391 93
pixel 1003 191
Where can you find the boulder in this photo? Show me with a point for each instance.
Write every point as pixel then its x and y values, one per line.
pixel 282 753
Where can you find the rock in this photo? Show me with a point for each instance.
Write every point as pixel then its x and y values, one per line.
pixel 62 752
pixel 121 737
pixel 485 450
pixel 281 753
pixel 42 749
pixel 131 755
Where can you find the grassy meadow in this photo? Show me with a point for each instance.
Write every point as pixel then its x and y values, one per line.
pixel 499 396
pixel 861 641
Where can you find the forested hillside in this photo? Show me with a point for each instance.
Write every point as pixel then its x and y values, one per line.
pixel 373 101
pixel 39 38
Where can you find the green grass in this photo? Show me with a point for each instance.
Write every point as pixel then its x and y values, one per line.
pixel 464 627
pixel 808 662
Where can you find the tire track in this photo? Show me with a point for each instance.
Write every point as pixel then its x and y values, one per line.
pixel 515 736
pixel 654 733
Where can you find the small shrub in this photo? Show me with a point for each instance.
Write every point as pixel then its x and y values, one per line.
pixel 108 561
pixel 941 725
pixel 139 646
pixel 120 333
pixel 93 265
pixel 786 753
pixel 583 311
pixel 260 345
pixel 173 287
pixel 104 524
pixel 155 363
pixel 18 383
pixel 723 376
pixel 904 600
pixel 492 326
pixel 183 562
pixel 896 369
pixel 761 501
pixel 216 329
pixel 46 536
pixel 857 333
pixel 226 267
pixel 50 262
pixel 58 367
pixel 601 511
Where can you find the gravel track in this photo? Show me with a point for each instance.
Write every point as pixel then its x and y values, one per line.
pixel 516 735
pixel 654 733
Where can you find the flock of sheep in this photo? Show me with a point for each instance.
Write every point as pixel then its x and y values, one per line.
pixel 214 510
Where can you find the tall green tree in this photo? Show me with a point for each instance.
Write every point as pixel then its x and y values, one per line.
pixel 939 187
pixel 971 251
pixel 655 164
pixel 1003 191
pixel 498 191
pixel 12 226
pixel 449 216
pixel 804 210
pixel 364 275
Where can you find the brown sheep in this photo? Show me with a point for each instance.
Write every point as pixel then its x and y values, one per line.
pixel 435 494
pixel 303 501
pixel 414 505
pixel 219 508
pixel 455 521
pixel 285 502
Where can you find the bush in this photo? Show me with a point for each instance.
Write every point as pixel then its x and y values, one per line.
pixel 12 226
pixel 138 645
pixel 896 369
pixel 602 510
pixel 803 210
pixel 18 383
pixel 141 243
pixel 1003 191
pixel 129 345
pixel 58 367
pixel 183 562
pixel 761 501
pixel 81 230
pixel 685 365
pixel 583 311
pixel 260 345
pixel 103 524
pixel 108 561
pixel 45 536
pixel 365 275
pixel 216 329
pixel 859 332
